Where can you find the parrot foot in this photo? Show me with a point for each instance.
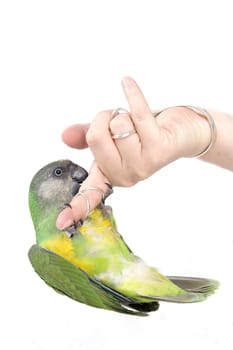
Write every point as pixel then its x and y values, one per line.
pixel 73 230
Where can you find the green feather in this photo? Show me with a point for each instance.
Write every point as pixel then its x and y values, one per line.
pixel 76 284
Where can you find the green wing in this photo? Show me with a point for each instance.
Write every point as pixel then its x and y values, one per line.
pixel 67 279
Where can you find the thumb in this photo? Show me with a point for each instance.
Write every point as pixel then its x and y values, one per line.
pixel 75 136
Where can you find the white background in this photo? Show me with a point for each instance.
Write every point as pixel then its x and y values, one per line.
pixel 60 63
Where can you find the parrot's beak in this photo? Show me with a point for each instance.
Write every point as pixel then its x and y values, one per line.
pixel 78 175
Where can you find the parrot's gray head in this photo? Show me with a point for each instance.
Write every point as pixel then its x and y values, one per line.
pixel 57 183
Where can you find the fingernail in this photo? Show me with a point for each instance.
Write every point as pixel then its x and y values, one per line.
pixel 63 223
pixel 127 83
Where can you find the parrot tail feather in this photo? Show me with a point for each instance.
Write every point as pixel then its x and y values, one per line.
pixel 203 286
pixel 193 289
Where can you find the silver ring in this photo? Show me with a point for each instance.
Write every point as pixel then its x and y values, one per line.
pixel 204 114
pixel 92 188
pixel 123 135
pixel 88 205
pixel 118 111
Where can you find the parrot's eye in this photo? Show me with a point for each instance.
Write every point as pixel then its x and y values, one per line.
pixel 58 172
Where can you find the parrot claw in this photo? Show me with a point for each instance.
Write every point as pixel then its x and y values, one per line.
pixel 66 205
pixel 108 193
pixel 73 230
pixel 107 210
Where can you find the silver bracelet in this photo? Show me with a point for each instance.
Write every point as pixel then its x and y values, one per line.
pixel 204 114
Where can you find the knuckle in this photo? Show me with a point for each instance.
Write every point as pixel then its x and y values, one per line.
pixel 97 130
pixel 121 121
pixel 93 136
pixel 124 179
pixel 128 182
pixel 131 176
pixel 131 179
pixel 141 172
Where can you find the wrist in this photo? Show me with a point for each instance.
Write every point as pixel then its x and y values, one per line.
pixel 191 130
pixel 221 153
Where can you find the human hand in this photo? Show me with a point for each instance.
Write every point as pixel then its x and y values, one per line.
pixel 176 132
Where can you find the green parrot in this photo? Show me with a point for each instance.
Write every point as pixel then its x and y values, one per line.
pixel 90 262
